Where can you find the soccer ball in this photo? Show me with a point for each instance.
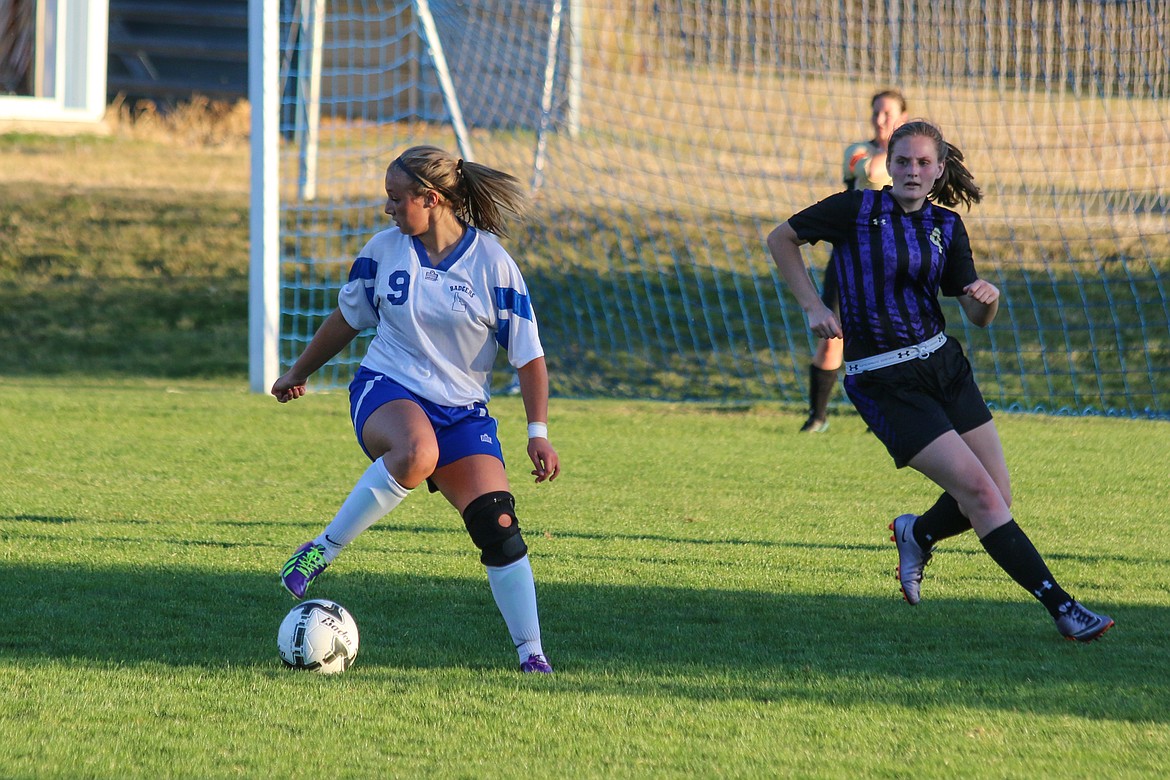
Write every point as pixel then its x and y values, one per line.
pixel 318 635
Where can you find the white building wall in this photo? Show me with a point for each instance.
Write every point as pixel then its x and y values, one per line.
pixel 76 32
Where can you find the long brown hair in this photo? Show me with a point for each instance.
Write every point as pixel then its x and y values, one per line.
pixel 480 196
pixel 956 185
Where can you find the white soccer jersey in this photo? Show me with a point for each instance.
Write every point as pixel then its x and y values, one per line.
pixel 439 326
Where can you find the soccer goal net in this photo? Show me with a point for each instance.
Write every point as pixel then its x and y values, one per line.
pixel 664 139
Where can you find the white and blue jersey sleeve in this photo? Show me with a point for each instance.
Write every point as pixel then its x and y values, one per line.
pixel 439 325
pixel 356 299
pixel 517 332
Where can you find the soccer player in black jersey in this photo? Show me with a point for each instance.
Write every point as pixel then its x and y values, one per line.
pixel 864 167
pixel 894 251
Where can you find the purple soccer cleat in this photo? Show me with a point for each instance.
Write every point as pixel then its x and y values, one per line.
pixel 302 568
pixel 536 663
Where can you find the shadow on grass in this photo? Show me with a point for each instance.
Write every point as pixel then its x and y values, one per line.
pixel 193 326
pixel 40 519
pixel 679 329
pixel 423 530
pixel 617 639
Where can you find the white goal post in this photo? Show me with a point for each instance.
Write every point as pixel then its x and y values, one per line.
pixel 264 220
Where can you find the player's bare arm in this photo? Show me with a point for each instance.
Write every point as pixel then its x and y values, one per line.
pixel 533 377
pixel 333 335
pixel 980 302
pixel 785 245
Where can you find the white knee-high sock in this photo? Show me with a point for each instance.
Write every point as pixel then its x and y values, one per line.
pixel 374 495
pixel 515 594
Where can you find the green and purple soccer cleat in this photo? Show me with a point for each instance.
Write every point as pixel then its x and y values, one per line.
pixel 302 568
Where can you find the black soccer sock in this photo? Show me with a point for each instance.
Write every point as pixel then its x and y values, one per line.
pixel 1010 547
pixel 820 388
pixel 941 521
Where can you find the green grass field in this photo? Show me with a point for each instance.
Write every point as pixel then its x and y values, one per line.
pixel 716 594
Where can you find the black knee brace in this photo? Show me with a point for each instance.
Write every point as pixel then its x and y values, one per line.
pixel 501 545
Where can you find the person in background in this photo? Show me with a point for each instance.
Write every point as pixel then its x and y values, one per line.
pixel 895 251
pixel 864 169
pixel 443 296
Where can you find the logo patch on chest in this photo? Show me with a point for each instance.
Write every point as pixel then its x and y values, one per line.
pixel 462 288
pixel 459 294
pixel 936 238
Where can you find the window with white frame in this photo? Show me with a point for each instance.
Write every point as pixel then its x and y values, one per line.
pixel 53 59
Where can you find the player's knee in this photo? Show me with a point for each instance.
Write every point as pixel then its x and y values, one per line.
pixel 491 522
pixel 412 462
pixel 984 499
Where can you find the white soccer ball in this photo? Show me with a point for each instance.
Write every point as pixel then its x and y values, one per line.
pixel 318 635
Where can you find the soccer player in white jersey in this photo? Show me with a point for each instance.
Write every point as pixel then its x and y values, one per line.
pixel 443 296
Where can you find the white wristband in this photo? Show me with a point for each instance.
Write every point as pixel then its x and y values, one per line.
pixel 538 430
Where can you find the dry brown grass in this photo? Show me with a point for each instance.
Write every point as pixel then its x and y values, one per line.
pixel 1066 178
pixel 199 122
pixel 670 187
pixel 199 147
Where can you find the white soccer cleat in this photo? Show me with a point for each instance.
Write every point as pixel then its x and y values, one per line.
pixel 912 559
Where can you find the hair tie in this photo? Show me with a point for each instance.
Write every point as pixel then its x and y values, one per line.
pixel 459 166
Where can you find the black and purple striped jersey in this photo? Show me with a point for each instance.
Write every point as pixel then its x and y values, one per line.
pixel 890 266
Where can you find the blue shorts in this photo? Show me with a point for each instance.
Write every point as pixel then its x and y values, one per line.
pixel 460 430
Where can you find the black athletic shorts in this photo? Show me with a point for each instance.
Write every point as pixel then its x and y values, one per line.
pixel 909 405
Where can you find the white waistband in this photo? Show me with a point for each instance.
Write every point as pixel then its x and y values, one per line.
pixel 923 350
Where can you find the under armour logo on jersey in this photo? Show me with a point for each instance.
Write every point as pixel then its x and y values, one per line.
pixel 879 221
pixel 936 238
pixel 431 276
pixel 485 438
